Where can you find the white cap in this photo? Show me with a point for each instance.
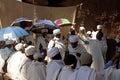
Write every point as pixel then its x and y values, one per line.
pixel 82 28
pixel 30 50
pixel 44 30
pixel 52 52
pixel 73 38
pixel 37 56
pixel 19 46
pixel 89 32
pixel 56 31
pixel 9 42
pixel 99 26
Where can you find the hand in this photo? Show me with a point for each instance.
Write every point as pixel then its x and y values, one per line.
pixel 78 54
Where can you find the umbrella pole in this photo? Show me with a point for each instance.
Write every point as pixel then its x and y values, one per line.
pixel 0 24
pixel 34 13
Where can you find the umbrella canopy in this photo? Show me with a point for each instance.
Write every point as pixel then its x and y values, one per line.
pixel 12 32
pixel 63 22
pixel 22 22
pixel 44 24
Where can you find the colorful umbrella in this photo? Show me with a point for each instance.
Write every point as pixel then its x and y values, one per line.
pixel 63 22
pixel 22 22
pixel 12 32
pixel 44 24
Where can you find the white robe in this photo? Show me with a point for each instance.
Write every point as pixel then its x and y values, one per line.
pixel 13 66
pixel 112 73
pixel 79 49
pixel 52 66
pixel 85 73
pixel 4 54
pixel 98 61
pixel 64 74
pixel 103 46
pixel 24 65
pixel 36 71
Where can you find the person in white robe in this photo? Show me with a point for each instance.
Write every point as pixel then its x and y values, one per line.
pixel 98 61
pixel 55 63
pixel 84 39
pixel 102 44
pixel 57 42
pixel 103 40
pixel 14 62
pixel 37 69
pixel 42 42
pixel 64 73
pixel 26 61
pixel 75 48
pixel 112 72
pixel 85 72
pixel 5 53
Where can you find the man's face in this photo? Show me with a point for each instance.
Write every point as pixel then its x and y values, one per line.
pixel 58 35
pixel 74 44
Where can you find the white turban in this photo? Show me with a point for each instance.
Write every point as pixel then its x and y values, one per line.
pixel 99 26
pixel 82 28
pixel 19 46
pixel 52 52
pixel 37 56
pixel 73 38
pixel 30 50
pixel 89 32
pixel 9 42
pixel 56 31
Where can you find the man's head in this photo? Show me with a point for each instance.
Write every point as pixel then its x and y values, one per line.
pixel 57 33
pixel 30 51
pixel 86 59
pixel 89 33
pixel 70 60
pixel 74 40
pixel 54 53
pixel 19 47
pixel 9 43
pixel 99 27
pixel 99 35
pixel 44 31
pixel 82 30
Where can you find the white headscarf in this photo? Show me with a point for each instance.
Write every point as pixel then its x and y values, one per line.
pixel 52 52
pixel 30 50
pixel 56 31
pixel 19 46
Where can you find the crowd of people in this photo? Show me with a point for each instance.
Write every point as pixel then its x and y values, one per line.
pixel 83 57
